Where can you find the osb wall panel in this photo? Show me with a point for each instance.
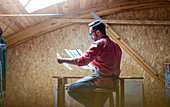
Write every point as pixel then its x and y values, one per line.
pixel 152 44
pixel 31 65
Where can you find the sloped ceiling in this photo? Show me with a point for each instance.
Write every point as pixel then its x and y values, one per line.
pixel 27 27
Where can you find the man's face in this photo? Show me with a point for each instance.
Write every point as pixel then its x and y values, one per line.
pixel 93 34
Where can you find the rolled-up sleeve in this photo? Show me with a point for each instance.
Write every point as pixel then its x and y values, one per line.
pixel 89 55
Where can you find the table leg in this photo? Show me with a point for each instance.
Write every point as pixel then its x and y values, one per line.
pixel 61 93
pixel 122 92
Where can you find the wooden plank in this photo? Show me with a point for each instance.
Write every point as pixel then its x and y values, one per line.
pixel 63 93
pixel 7 7
pixel 138 22
pixel 3 27
pixel 111 8
pixel 77 4
pixel 131 7
pixel 101 10
pixel 110 1
pixel 55 77
pixel 59 94
pixel 56 9
pixel 117 97
pixel 93 2
pixel 122 92
pixel 65 7
pixel 120 77
pixel 88 3
pixel 99 1
pixel 73 77
pixel 25 21
pixel 110 21
pixel 134 55
pixel 111 101
pixel 82 4
pixel 71 5
pixel 59 8
pixel 97 100
pixel 34 31
pixel 73 20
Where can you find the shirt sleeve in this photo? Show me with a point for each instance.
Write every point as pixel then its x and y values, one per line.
pixel 89 55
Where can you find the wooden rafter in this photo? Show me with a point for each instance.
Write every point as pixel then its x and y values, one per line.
pixel 101 10
pixel 110 21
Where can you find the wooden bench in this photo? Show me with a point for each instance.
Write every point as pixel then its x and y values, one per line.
pixel 63 80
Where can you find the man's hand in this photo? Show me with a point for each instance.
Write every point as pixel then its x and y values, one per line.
pixel 60 60
pixel 65 60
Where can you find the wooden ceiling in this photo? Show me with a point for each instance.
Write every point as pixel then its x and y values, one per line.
pixel 27 27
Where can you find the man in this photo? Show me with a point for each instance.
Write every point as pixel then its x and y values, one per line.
pixel 105 55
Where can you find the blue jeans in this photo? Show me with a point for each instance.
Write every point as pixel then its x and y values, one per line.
pixel 82 92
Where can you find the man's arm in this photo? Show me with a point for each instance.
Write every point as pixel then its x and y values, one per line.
pixel 66 60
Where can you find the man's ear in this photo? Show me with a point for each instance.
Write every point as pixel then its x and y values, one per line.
pixel 98 32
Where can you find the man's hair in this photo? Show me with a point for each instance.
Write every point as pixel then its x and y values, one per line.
pixel 98 25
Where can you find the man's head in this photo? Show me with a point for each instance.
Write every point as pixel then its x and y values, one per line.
pixel 97 29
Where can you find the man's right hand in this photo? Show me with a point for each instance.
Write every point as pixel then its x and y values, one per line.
pixel 65 60
pixel 60 60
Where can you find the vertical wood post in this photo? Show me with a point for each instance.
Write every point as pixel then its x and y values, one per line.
pixel 122 91
pixel 61 93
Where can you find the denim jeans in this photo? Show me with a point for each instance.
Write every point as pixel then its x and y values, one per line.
pixel 82 92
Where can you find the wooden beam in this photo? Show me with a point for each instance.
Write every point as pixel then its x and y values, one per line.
pixel 33 32
pixel 110 21
pixel 135 56
pixel 101 10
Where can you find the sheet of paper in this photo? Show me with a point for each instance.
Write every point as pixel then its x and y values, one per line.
pixel 58 56
pixel 75 53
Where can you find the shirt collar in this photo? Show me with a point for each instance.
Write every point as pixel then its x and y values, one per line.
pixel 105 36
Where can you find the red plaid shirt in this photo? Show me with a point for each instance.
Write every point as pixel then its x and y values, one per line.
pixel 105 55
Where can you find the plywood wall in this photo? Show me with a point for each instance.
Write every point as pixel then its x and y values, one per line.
pixel 152 44
pixel 31 65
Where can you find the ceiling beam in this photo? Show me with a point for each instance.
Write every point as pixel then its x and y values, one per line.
pixel 110 21
pixel 101 10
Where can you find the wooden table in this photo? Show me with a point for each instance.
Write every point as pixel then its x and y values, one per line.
pixel 63 80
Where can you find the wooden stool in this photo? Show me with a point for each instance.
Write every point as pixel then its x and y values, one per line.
pixel 98 91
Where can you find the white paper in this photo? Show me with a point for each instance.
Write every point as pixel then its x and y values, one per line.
pixel 74 53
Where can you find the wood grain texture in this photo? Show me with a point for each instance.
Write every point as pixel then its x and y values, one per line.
pixel 111 21
pixel 101 10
